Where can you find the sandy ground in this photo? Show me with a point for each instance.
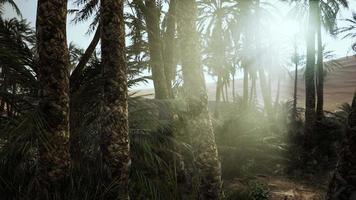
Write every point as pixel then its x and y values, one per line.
pixel 284 189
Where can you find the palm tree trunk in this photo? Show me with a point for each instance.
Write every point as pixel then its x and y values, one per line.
pixel 252 90
pixel 115 129
pixel 199 123
pixel 77 72
pixel 320 73
pixel 295 98
pixel 169 46
pixel 152 16
pixel 245 87
pixel 54 78
pixel 266 92
pixel 310 73
pixel 222 92
pixel 343 183
pixel 76 110
pixel 276 102
pixel 226 92
pixel 233 88
pixel 218 89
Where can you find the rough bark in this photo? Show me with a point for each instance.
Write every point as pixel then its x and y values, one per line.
pixel 343 182
pixel 54 79
pixel 320 72
pixel 115 137
pixel 198 120
pixel 169 46
pixel 310 73
pixel 152 18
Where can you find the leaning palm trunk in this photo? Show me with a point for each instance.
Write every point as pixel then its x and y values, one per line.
pixel 320 73
pixel 76 107
pixel 343 183
pixel 115 137
pixel 54 77
pixel 310 73
pixel 198 120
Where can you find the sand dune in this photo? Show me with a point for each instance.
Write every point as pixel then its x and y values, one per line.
pixel 340 85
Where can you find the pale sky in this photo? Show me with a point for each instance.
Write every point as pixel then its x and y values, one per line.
pixel 77 33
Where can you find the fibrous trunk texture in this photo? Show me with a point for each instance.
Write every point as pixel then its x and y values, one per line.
pixel 320 72
pixel 115 137
pixel 198 123
pixel 343 183
pixel 54 78
pixel 169 46
pixel 310 73
pixel 152 16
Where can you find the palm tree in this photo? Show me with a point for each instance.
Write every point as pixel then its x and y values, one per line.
pixel 152 12
pixel 198 123
pixel 349 31
pixel 215 20
pixel 327 13
pixel 310 71
pixel 169 45
pixel 320 71
pixel 115 130
pixel 320 13
pixel 297 59
pixel 53 74
pixel 12 4
pixel 342 184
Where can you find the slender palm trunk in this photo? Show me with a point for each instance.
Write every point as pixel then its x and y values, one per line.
pixel 152 16
pixel 77 72
pixel 226 92
pixel 295 98
pixel 245 88
pixel 233 88
pixel 222 92
pixel 252 90
pixel 169 46
pixel 266 92
pixel 54 79
pixel 276 102
pixel 343 183
pixel 320 72
pixel 310 73
pixel 218 89
pixel 76 110
pixel 199 122
pixel 115 129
